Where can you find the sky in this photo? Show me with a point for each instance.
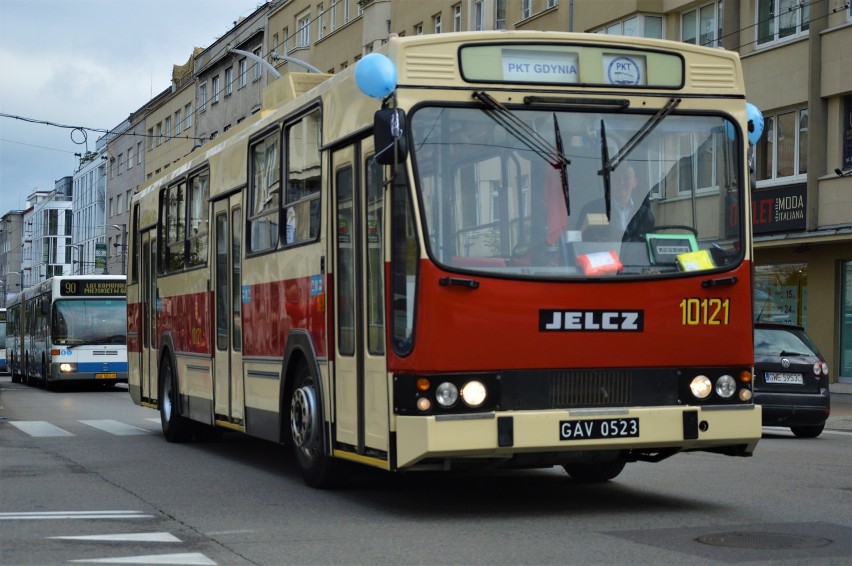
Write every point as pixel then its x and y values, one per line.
pixel 87 63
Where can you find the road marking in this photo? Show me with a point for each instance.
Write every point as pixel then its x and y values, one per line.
pixel 129 537
pixel 188 559
pixel 116 427
pixel 44 515
pixel 39 428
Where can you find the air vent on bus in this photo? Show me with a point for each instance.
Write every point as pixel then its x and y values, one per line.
pixel 590 388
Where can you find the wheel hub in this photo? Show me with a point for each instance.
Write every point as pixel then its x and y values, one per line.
pixel 303 417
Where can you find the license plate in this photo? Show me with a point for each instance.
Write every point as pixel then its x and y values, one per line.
pixel 585 429
pixel 106 376
pixel 791 378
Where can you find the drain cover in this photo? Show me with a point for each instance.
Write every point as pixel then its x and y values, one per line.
pixel 763 541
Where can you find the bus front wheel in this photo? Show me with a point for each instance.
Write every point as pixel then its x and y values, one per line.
pixel 318 468
pixel 175 427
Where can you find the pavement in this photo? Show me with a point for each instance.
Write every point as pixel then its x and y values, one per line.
pixel 841 411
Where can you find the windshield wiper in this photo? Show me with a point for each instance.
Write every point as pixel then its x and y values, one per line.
pixel 530 138
pixel 522 131
pixel 563 171
pixel 609 165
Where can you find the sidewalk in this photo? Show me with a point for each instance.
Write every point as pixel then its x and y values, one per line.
pixel 841 408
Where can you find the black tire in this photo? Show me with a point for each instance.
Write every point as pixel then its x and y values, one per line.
pixel 175 427
pixel 595 472
pixel 807 431
pixel 305 420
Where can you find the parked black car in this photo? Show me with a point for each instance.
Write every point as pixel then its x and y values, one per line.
pixel 790 379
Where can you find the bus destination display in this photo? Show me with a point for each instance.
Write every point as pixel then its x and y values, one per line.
pixel 92 288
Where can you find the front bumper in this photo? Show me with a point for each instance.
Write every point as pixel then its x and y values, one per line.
pixel 502 434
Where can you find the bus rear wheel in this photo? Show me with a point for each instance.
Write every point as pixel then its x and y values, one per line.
pixel 595 472
pixel 175 427
pixel 306 433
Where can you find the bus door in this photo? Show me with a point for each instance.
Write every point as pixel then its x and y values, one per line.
pixel 228 393
pixel 360 365
pixel 148 369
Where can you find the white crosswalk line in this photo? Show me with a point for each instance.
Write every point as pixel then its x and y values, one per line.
pixel 116 427
pixel 128 537
pixel 39 428
pixel 188 559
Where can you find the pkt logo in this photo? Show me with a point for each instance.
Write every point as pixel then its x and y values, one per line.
pixel 590 321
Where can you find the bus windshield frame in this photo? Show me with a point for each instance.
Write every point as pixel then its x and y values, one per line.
pixel 494 205
pixel 89 321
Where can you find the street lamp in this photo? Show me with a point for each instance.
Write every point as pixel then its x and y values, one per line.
pixel 79 249
pixel 123 229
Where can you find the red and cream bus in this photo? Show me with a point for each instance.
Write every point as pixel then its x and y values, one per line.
pixel 429 261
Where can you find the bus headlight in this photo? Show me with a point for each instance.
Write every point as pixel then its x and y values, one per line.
pixel 447 394
pixel 473 393
pixel 701 386
pixel 67 368
pixel 726 386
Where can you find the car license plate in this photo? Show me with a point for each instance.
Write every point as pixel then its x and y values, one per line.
pixel 791 378
pixel 105 376
pixel 585 429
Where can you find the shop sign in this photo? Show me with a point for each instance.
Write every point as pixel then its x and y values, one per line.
pixel 779 209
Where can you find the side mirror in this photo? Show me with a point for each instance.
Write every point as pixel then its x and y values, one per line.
pixel 389 136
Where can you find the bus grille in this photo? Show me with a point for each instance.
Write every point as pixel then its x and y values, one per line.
pixel 590 388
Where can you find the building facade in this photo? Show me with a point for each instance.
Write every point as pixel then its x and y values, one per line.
pixel 11 236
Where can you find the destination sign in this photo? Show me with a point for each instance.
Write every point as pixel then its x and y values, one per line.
pixel 570 64
pixel 92 288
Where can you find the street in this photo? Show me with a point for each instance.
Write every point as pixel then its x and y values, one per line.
pixel 86 477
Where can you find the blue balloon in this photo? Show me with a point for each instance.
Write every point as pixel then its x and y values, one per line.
pixel 755 123
pixel 375 75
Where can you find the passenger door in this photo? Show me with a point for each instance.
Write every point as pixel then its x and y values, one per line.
pixel 148 283
pixel 228 392
pixel 360 368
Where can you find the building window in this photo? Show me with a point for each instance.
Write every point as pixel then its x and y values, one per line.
pixel 436 23
pixel 552 3
pixel 526 9
pixel 217 88
pixel 242 77
pixel 229 81
pixel 159 129
pixel 202 97
pixel 332 16
pixel 782 151
pixel 345 11
pixel 188 111
pixel 478 16
pixel 781 292
pixel 139 153
pixel 499 14
pixel 703 26
pixel 457 17
pixel 151 139
pixel 303 25
pixel 418 29
pixel 846 321
pixel 320 22
pixel 120 163
pixel 257 69
pixel 178 123
pixel 640 25
pixel 779 20
pixel 130 157
pixel 168 129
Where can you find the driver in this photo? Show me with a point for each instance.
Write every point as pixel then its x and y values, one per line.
pixel 629 220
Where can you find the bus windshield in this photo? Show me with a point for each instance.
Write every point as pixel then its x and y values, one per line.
pixel 495 202
pixel 89 321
